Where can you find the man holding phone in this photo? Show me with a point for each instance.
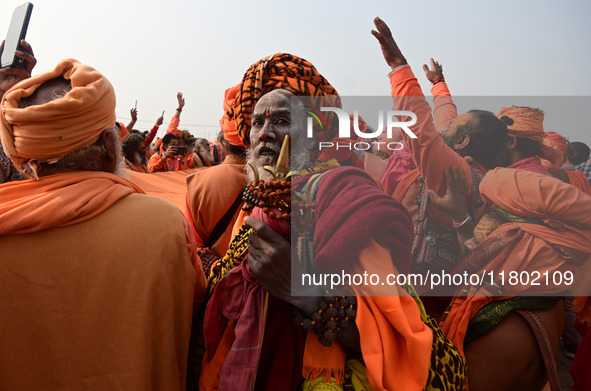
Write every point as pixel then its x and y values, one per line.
pixel 9 77
pixel 172 157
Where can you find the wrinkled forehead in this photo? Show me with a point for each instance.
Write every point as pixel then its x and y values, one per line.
pixel 275 100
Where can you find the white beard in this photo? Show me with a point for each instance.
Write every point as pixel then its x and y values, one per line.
pixel 299 159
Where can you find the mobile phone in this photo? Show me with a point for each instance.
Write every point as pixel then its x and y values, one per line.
pixel 181 150
pixel 162 113
pixel 16 32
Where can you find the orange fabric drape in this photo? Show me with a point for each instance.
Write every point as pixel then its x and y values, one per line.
pixel 59 200
pixel 558 205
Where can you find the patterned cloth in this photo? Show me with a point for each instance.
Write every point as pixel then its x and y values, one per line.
pixel 584 167
pixel 283 71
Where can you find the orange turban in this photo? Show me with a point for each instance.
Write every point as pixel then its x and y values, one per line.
pixel 227 123
pixel 560 146
pixel 527 122
pixel 64 125
pixel 288 72
pixel 556 141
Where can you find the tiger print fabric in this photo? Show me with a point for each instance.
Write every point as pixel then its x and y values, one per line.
pixel 289 72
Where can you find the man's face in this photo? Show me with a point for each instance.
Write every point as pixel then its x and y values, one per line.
pixel 188 138
pixel 272 120
pixel 174 142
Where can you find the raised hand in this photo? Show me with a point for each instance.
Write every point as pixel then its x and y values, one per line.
pixel 390 49
pixel 435 73
pixel 181 100
pixel 11 76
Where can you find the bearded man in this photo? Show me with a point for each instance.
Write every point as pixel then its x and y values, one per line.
pixel 257 330
pixel 87 301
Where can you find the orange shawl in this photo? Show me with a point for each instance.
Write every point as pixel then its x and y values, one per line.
pixel 59 200
pixel 562 243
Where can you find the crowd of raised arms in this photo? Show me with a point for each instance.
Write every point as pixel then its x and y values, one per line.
pixel 450 255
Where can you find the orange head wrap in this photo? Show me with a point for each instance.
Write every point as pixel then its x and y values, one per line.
pixel 527 122
pixel 64 125
pixel 559 145
pixel 291 73
pixel 227 123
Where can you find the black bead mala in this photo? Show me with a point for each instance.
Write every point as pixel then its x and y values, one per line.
pixel 334 313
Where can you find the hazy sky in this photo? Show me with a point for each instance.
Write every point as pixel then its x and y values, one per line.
pixel 150 50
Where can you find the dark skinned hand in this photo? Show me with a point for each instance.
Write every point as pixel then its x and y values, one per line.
pixel 435 73
pixel 269 259
pixel 11 76
pixel 390 49
pixel 454 201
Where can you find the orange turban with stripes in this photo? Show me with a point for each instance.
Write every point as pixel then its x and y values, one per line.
pixel 527 122
pixel 227 123
pixel 291 73
pixel 63 125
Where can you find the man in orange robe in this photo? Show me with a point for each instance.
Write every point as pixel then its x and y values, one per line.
pixel 94 294
pixel 250 330
pixel 214 194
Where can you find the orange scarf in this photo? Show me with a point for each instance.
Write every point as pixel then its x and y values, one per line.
pixel 59 200
pixel 562 243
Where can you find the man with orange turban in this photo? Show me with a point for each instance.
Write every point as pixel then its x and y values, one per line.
pixel 533 149
pixel 87 303
pixel 547 234
pixel 214 194
pixel 258 324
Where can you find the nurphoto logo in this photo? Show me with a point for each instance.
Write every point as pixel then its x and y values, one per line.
pixel 391 121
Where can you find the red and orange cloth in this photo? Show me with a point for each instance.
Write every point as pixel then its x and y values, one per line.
pixel 560 243
pixel 396 344
pixel 77 119
pixel 529 123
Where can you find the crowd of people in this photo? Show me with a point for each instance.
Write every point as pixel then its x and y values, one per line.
pixel 106 287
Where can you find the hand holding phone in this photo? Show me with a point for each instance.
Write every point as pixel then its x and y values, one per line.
pixel 16 33
pixel 16 53
pixel 11 76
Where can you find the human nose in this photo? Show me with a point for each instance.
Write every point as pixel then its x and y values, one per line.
pixel 267 132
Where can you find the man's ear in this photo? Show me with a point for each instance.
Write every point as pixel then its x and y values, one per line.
pixel 511 142
pixel 462 142
pixel 111 144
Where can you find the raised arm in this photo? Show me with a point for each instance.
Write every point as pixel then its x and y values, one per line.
pixel 153 131
pixel 444 109
pixel 429 150
pixel 131 124
pixel 173 127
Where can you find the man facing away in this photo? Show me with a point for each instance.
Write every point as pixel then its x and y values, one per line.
pixel 94 295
